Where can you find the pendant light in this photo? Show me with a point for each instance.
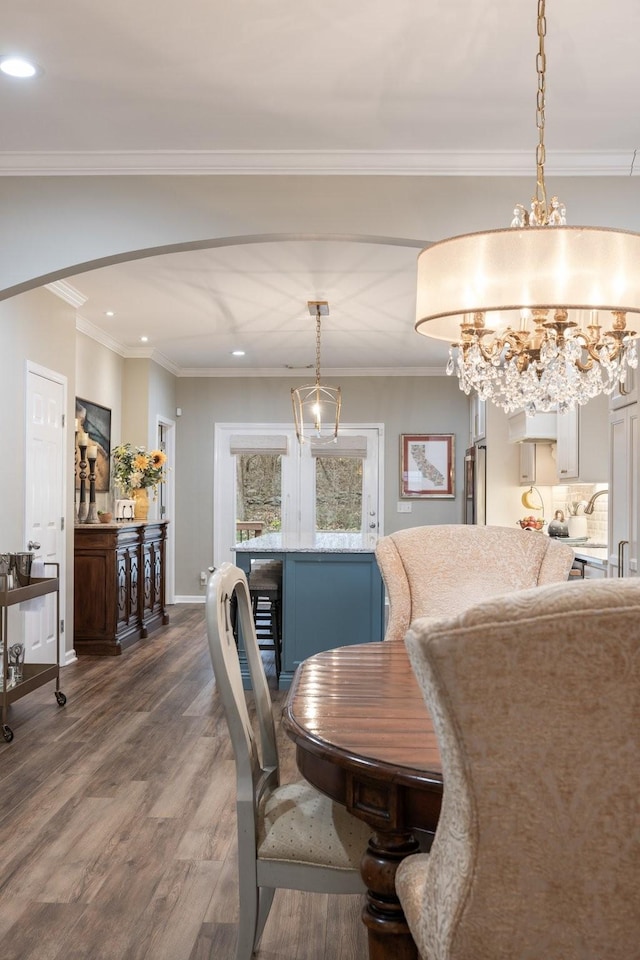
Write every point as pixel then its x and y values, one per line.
pixel 536 314
pixel 316 407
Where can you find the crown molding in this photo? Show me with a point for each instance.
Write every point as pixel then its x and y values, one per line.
pixel 150 353
pixel 66 292
pixel 310 162
pixel 90 330
pixel 335 372
pixel 128 353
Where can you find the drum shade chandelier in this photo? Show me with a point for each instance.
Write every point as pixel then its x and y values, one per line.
pixel 537 313
pixel 316 407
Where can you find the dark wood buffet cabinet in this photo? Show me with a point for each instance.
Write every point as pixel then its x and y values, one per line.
pixel 119 588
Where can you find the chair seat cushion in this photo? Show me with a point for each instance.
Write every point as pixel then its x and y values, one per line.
pixel 299 824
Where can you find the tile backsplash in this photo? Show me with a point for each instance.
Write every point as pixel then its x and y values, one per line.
pixel 597 522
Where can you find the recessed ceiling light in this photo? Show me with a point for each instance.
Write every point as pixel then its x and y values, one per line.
pixel 15 66
pixel 237 353
pixel 144 339
pixel 109 313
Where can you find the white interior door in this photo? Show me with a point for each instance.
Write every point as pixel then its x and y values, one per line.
pixel 44 505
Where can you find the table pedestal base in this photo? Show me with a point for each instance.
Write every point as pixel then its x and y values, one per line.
pixel 382 914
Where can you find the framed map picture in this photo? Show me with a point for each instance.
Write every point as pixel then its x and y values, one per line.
pixel 427 465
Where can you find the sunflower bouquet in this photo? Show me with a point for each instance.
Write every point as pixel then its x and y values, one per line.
pixel 134 468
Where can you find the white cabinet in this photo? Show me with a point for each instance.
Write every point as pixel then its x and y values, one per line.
pixel 593 572
pixel 623 491
pixel 540 428
pixel 527 463
pixel 567 456
pixel 537 464
pixel 582 442
pixel 628 394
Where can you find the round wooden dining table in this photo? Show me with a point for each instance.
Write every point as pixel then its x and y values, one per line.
pixel 364 738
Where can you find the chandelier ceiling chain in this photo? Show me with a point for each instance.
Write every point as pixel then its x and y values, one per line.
pixel 541 67
pixel 541 215
pixel 316 408
pixel 318 322
pixel 521 307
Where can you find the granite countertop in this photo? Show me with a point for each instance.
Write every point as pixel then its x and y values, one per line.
pixel 305 543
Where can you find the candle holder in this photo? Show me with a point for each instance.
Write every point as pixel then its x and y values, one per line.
pixel 82 506
pixel 75 474
pixel 92 513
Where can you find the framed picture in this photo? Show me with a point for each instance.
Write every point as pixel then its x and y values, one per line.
pixel 427 465
pixel 96 421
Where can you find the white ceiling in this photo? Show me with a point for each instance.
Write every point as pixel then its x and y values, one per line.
pixel 197 307
pixel 357 86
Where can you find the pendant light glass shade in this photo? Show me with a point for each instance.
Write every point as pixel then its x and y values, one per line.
pixel 316 406
pixel 540 315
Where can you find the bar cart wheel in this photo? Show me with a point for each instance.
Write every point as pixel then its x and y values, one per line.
pixel 60 697
pixel 7 733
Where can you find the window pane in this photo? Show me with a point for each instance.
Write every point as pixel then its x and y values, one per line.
pixel 259 489
pixel 338 493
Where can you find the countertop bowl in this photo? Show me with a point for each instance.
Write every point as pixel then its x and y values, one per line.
pixel 531 524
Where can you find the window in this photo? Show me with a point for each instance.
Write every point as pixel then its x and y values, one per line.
pixel 259 489
pixel 338 498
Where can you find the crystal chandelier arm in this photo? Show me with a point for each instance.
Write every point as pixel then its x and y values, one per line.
pixel 515 341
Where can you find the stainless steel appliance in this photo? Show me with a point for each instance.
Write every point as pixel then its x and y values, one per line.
pixel 475 484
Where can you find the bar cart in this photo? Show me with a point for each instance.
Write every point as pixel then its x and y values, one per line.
pixel 34 675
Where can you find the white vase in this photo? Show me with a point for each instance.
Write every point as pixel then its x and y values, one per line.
pixel 577 526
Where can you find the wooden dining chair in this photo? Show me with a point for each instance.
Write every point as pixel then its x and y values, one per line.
pixel 535 699
pixel 265 590
pixel 441 569
pixel 289 835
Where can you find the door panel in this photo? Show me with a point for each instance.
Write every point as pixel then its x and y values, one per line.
pixel 44 508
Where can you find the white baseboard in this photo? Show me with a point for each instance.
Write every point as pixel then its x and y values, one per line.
pixel 197 599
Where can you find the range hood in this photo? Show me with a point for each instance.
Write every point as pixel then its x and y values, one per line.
pixel 541 428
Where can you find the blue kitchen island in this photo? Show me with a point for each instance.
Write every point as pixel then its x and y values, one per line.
pixel 332 592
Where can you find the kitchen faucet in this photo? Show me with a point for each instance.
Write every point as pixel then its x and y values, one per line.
pixel 589 507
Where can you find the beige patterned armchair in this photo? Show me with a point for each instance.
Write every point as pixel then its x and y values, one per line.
pixel 441 570
pixel 535 699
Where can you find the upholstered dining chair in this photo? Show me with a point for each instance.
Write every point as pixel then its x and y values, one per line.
pixel 535 699
pixel 288 835
pixel 442 569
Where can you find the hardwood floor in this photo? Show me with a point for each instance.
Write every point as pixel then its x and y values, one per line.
pixel 117 830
